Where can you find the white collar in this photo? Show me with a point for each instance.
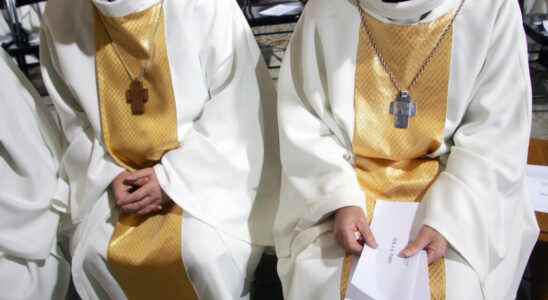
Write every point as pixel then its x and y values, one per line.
pixel 402 11
pixel 121 8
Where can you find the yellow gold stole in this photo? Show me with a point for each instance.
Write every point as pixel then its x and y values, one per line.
pixel 144 253
pixel 391 163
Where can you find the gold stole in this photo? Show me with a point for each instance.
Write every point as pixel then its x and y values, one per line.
pixel 144 253
pixel 392 164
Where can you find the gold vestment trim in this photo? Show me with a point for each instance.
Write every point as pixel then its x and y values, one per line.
pixel 144 253
pixel 393 164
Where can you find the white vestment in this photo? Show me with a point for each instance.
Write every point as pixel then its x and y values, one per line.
pixel 225 175
pixel 479 202
pixel 31 196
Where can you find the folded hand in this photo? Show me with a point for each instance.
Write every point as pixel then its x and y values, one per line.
pixel 139 192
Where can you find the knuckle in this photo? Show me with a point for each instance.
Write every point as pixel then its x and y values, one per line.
pixel 351 244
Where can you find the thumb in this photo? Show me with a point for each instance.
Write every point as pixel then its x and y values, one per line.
pixel 136 182
pixel 413 248
pixel 367 234
pixel 138 174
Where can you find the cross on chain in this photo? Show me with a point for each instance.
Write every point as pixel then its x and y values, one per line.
pixel 137 96
pixel 402 109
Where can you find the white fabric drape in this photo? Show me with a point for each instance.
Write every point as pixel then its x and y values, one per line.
pixel 224 109
pixel 31 197
pixel 226 173
pixel 480 201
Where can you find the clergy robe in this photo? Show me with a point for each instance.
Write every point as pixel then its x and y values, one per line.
pixel 32 198
pixel 479 200
pixel 224 175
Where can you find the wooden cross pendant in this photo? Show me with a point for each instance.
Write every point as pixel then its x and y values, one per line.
pixel 137 96
pixel 402 109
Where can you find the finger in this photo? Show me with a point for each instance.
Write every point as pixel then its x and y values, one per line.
pixel 135 207
pixel 367 234
pixel 138 182
pixel 121 176
pixel 140 173
pixel 119 186
pixel 350 244
pixel 420 243
pixel 436 250
pixel 120 194
pixel 137 195
pixel 434 255
pixel 148 209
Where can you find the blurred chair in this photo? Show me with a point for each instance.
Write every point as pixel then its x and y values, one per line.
pixel 21 45
pixel 272 25
pixel 253 11
pixel 536 25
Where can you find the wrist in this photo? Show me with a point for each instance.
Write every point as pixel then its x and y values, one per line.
pixel 348 208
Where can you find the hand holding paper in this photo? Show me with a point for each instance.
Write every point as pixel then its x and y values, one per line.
pixel 430 240
pixel 381 274
pixel 350 227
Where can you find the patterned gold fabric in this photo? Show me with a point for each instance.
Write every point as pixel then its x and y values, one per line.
pixel 391 163
pixel 135 141
pixel 144 253
pixel 145 257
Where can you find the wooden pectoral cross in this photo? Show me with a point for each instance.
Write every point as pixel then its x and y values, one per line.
pixel 402 109
pixel 137 96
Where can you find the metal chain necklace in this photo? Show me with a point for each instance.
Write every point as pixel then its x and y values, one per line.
pixel 403 107
pixel 136 94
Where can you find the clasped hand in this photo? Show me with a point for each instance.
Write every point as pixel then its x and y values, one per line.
pixel 139 192
pixel 352 231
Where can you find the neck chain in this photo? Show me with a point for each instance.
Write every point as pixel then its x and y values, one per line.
pixel 137 95
pixel 404 108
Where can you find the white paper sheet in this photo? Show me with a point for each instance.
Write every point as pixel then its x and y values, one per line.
pixel 282 9
pixel 537 180
pixel 381 274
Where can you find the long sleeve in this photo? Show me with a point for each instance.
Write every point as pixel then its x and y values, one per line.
pixel 318 176
pixel 218 170
pixel 85 165
pixel 473 201
pixel 31 196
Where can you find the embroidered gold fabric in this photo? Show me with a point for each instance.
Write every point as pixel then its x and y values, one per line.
pixel 145 257
pixel 144 253
pixel 391 163
pixel 135 141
